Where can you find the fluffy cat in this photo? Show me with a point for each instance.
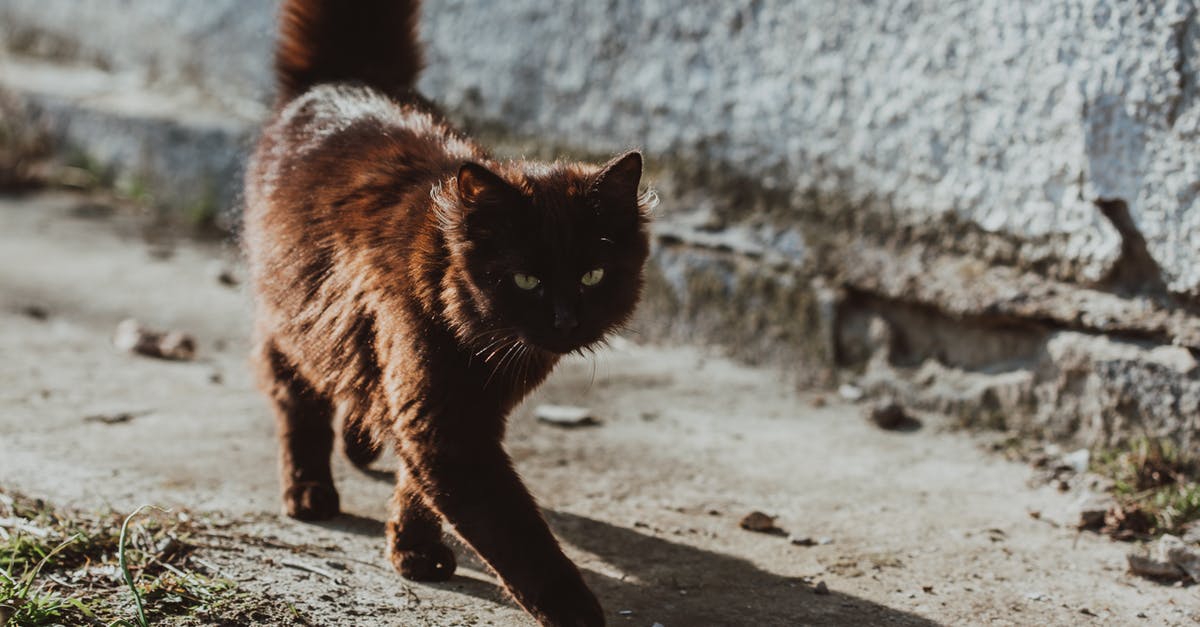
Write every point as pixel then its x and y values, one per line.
pixel 412 289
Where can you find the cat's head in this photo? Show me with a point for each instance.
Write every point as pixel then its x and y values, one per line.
pixel 551 254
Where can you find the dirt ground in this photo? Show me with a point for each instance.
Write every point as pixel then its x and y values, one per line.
pixel 923 527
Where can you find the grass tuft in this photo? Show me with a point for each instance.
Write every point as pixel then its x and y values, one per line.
pixel 61 567
pixel 1156 487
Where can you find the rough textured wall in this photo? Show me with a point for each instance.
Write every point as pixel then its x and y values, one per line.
pixel 1013 117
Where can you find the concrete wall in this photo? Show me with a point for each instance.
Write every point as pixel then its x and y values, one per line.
pixel 985 165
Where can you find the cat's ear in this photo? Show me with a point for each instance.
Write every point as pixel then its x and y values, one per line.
pixel 479 186
pixel 617 183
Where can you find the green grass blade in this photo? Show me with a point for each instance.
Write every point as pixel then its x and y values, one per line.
pixel 124 565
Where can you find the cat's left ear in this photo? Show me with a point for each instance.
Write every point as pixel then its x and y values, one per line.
pixel 617 183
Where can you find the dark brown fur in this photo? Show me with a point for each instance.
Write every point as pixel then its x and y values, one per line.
pixel 383 246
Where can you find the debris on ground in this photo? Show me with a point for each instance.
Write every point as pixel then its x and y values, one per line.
pixel 1093 508
pixel 37 312
pixel 567 416
pixel 1127 522
pixel 821 588
pixel 851 393
pixel 224 275
pixel 1078 461
pixel 819 401
pixel 760 523
pixel 1170 559
pixel 133 337
pixel 890 415
pixel 798 540
pixel 1191 533
pixel 114 418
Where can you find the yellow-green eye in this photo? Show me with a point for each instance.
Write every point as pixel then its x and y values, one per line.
pixel 592 277
pixel 525 281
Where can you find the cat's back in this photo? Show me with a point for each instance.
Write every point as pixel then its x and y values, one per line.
pixel 340 135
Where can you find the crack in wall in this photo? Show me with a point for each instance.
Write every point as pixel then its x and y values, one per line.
pixel 1136 272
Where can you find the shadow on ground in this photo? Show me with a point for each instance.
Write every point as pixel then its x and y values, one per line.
pixel 675 584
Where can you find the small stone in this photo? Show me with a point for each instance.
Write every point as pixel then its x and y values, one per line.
pixel 224 275
pixel 890 415
pixel 1191 533
pixel 1086 612
pixel 1078 460
pixel 133 337
pixel 821 588
pixel 36 312
pixel 851 393
pixel 819 402
pixel 1181 555
pixel 759 522
pixel 1153 567
pixel 566 416
pixel 1092 510
pixel 927 589
pixel 823 540
pixel 801 540
pixel 115 418
pixel 625 612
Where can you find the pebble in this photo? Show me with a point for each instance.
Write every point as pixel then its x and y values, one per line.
pixel 133 337
pixel 851 393
pixel 1170 559
pixel 759 522
pixel 1078 460
pixel 890 415
pixel 821 588
pixel 567 416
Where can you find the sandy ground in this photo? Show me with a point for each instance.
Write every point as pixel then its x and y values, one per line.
pixel 925 527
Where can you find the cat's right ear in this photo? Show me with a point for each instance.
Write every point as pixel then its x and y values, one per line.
pixel 480 187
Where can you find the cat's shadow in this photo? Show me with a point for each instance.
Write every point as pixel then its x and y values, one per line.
pixel 677 584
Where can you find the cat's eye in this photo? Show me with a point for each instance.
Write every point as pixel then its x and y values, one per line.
pixel 526 281
pixel 592 277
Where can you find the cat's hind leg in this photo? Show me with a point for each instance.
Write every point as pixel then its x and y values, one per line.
pixel 304 421
pixel 358 443
pixel 414 535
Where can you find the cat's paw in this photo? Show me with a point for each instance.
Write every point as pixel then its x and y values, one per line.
pixel 311 500
pixel 432 562
pixel 358 445
pixel 568 604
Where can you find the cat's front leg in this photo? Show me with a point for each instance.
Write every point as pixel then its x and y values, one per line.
pixel 471 482
pixel 303 418
pixel 414 534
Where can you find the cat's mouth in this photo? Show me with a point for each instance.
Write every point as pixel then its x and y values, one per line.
pixel 562 345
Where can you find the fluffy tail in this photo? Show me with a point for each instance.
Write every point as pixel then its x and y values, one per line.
pixel 372 42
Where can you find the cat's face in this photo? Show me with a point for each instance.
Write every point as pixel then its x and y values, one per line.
pixel 554 254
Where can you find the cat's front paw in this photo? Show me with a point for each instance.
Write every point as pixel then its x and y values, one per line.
pixel 311 500
pixel 569 604
pixel 432 562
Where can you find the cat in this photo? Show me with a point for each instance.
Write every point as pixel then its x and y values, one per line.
pixel 418 289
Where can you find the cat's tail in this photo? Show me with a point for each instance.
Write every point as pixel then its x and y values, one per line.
pixel 371 42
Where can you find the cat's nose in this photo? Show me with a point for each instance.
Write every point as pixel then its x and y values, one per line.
pixel 564 318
